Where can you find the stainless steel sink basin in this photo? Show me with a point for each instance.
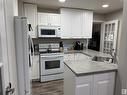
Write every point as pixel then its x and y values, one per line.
pixel 100 59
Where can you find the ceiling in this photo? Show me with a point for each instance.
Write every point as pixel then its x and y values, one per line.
pixel 95 5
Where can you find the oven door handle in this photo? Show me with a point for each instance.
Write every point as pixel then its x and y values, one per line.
pixel 51 56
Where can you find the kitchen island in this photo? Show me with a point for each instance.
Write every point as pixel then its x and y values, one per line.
pixel 83 76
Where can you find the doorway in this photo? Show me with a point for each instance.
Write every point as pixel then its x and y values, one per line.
pixel 94 42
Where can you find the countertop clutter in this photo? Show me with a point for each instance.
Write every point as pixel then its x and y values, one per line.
pixel 80 66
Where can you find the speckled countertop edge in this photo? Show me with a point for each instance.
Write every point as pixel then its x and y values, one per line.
pixel 92 72
pixel 86 52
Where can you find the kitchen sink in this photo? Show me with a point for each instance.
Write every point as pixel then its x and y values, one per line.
pixel 100 59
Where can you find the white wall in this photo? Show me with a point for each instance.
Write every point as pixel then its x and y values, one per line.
pixel 123 49
pixel 20 8
pixel 15 7
pixel 116 16
pixel 0 49
pixel 8 9
pixel 98 17
pixel 3 44
pixel 11 11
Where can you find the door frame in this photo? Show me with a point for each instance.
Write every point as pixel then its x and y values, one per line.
pixel 4 46
pixel 8 44
pixel 101 34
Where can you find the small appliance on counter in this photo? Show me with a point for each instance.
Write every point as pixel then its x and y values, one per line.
pixel 78 45
pixel 36 49
pixel 51 62
pixel 61 47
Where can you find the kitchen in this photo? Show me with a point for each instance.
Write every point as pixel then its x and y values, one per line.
pixel 69 35
pixel 73 50
pixel 61 31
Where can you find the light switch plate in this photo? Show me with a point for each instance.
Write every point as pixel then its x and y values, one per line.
pixel 124 91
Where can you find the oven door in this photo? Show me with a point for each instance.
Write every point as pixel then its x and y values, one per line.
pixel 51 64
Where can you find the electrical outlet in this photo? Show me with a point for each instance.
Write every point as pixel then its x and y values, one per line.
pixel 124 91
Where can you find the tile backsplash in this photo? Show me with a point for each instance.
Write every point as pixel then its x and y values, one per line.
pixel 68 43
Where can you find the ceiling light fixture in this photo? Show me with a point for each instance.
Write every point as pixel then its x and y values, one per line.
pixel 105 6
pixel 62 1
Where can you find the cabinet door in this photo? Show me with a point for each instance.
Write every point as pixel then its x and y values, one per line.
pixel 31 14
pixel 109 36
pixel 66 23
pixel 84 85
pixel 35 68
pixel 87 24
pixel 76 23
pixel 104 84
pixel 43 19
pixel 49 19
pixel 54 19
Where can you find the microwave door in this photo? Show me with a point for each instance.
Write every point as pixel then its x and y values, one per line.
pixel 48 33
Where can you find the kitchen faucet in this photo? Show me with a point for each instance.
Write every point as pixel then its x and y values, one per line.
pixel 114 56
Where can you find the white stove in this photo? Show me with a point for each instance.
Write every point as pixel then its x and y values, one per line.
pixel 51 62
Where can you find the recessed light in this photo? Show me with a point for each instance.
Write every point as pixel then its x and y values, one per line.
pixel 62 1
pixel 105 5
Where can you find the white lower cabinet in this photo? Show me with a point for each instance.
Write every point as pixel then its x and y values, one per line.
pixel 104 84
pixel 93 84
pixel 35 68
pixel 84 85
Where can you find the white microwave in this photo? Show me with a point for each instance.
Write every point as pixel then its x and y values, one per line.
pixel 48 31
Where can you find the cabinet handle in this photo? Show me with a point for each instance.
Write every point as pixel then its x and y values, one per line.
pixel 83 85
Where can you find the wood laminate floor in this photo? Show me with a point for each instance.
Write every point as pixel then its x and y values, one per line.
pixel 48 88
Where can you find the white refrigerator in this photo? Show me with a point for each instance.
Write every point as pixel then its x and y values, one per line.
pixel 23 55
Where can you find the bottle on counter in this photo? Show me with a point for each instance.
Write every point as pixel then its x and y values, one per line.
pixel 61 47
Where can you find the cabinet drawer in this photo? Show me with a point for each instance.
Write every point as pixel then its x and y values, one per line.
pixel 104 75
pixel 83 79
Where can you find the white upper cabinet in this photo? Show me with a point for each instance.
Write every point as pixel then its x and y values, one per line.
pixel 76 23
pixel 31 14
pixel 49 19
pixel 87 24
pixel 84 85
pixel 66 23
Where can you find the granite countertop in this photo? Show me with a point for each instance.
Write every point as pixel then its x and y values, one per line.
pixel 89 52
pixel 87 66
